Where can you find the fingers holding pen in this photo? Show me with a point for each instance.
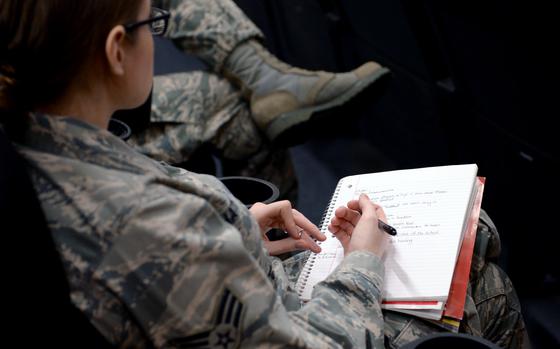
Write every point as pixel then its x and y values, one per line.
pixel 341 225
pixel 347 214
pixel 345 218
pixel 357 228
pixel 358 204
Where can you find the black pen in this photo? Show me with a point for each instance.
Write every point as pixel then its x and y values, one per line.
pixel 386 227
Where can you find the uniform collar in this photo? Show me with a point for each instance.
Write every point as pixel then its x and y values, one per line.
pixel 76 139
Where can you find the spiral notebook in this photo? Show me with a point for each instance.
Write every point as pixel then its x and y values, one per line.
pixel 451 313
pixel 429 207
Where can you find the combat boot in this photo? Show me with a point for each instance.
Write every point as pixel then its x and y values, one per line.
pixel 282 96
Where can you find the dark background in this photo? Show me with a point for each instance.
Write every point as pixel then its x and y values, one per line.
pixel 472 81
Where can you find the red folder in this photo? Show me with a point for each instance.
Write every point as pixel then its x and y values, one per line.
pixel 458 292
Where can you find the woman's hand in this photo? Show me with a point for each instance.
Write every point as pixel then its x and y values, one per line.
pixel 280 214
pixel 355 226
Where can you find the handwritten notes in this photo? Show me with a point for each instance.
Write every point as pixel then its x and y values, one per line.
pixel 428 207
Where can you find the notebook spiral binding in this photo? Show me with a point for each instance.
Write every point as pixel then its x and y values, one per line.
pixel 306 271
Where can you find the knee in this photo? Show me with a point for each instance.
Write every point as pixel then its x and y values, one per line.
pixel 499 308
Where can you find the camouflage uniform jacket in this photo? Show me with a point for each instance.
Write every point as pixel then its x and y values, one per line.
pixel 158 256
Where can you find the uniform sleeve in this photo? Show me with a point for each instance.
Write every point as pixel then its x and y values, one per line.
pixel 186 279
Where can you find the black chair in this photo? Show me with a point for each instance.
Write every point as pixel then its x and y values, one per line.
pixel 40 313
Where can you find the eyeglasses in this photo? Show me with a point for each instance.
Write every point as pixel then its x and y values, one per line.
pixel 158 22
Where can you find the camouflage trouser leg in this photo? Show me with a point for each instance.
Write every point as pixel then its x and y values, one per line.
pixel 210 29
pixel 195 109
pixel 492 309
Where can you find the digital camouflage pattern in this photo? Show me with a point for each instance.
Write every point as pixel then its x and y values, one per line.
pixel 191 109
pixel 201 108
pixel 158 255
pixel 178 260
pixel 208 29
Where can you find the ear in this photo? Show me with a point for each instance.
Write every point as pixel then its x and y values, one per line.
pixel 114 50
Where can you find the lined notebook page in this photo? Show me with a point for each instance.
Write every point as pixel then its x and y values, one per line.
pixel 428 207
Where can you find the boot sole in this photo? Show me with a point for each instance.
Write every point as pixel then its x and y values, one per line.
pixel 293 118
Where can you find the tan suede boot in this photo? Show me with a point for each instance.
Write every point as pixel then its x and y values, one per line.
pixel 283 96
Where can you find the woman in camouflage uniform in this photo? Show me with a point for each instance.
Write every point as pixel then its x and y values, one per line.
pixel 157 256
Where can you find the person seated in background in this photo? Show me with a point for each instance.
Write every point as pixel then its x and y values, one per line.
pixel 162 257
pixel 248 100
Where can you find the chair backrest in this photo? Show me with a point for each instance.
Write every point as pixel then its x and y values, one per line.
pixel 36 289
